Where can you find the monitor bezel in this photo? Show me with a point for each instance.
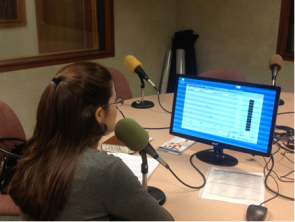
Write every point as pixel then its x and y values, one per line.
pixel 225 145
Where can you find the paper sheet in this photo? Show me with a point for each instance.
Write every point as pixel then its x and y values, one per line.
pixel 134 163
pixel 234 186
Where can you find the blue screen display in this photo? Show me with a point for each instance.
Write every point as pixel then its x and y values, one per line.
pixel 240 115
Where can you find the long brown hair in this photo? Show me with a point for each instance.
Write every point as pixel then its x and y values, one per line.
pixel 65 125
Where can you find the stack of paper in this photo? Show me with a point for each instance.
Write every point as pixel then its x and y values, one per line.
pixel 134 163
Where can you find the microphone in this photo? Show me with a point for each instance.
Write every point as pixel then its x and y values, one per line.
pixel 135 66
pixel 129 132
pixel 136 138
pixel 275 65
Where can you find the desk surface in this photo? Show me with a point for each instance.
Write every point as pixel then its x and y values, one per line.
pixel 184 203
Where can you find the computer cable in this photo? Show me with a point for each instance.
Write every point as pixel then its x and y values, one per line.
pixel 286 128
pixel 266 177
pixel 285 148
pixel 286 137
pixel 273 196
pixel 279 178
pixel 268 174
pixel 284 155
pixel 285 176
pixel 204 178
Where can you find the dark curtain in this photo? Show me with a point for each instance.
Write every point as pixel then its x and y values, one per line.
pixel 183 40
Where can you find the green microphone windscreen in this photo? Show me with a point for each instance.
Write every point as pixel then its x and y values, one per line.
pixel 129 132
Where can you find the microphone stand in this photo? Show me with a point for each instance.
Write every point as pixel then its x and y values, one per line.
pixel 153 191
pixel 142 104
pixel 273 83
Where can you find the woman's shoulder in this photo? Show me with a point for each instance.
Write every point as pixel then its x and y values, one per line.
pixel 98 158
pixel 94 162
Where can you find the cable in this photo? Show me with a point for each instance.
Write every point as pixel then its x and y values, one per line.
pixel 284 154
pixel 10 154
pixel 271 170
pixel 120 112
pixel 287 149
pixel 190 157
pixel 157 128
pixel 285 176
pixel 286 137
pixel 7 152
pixel 12 138
pixel 146 127
pixel 196 169
pixel 268 174
pixel 160 103
pixel 277 174
pixel 285 113
pixel 164 110
pixel 275 195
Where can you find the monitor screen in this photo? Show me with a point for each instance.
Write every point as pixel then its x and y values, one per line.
pixel 225 114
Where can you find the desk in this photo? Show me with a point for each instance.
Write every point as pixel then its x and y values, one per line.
pixel 184 203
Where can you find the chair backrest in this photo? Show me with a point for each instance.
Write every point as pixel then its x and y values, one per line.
pixel 121 85
pixel 8 207
pixel 224 73
pixel 10 126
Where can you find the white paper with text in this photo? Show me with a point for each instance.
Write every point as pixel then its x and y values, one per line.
pixel 134 164
pixel 234 186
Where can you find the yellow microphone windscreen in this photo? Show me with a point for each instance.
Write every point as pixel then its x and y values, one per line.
pixel 131 63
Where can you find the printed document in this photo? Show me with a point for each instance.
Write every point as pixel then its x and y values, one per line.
pixel 134 163
pixel 234 186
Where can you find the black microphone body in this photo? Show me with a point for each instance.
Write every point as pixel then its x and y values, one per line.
pixel 275 65
pixel 274 71
pixel 149 149
pixel 141 73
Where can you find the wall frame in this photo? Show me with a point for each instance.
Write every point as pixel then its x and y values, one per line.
pixel 48 59
pixel 13 13
pixel 285 44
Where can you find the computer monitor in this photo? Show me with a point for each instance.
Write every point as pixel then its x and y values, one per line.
pixel 226 114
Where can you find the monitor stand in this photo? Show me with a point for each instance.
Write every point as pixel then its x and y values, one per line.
pixel 216 157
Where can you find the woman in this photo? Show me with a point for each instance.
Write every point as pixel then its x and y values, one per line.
pixel 61 175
